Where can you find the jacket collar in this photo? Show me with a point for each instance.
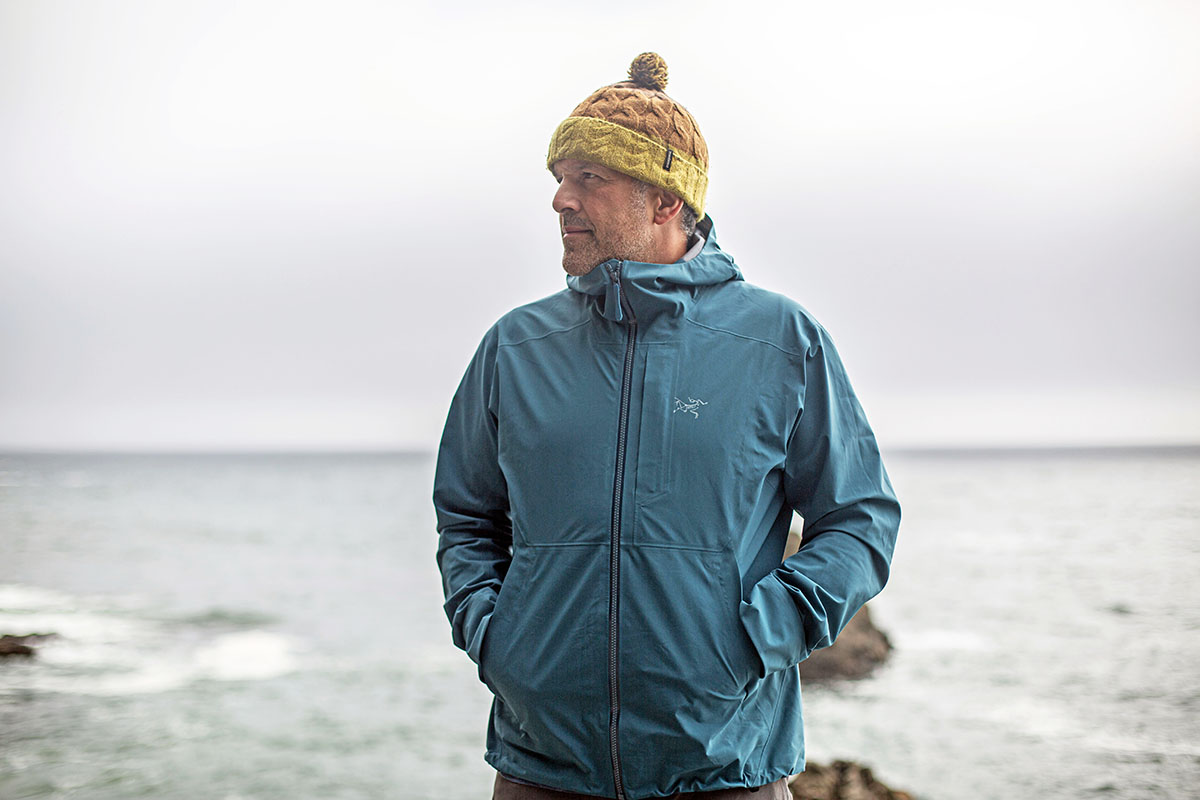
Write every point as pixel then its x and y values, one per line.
pixel 645 291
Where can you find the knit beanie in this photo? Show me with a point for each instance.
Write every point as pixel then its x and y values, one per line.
pixel 635 128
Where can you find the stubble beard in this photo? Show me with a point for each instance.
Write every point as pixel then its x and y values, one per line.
pixel 580 258
pixel 629 241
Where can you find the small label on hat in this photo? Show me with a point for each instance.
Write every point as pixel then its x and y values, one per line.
pixel 667 161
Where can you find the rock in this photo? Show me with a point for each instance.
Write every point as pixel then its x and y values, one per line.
pixel 841 780
pixel 859 649
pixel 14 646
pixel 20 645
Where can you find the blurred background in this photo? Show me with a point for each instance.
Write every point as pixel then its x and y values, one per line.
pixel 249 247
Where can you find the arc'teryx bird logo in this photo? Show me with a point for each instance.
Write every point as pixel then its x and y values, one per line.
pixel 692 406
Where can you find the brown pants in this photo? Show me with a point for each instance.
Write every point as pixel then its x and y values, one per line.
pixel 511 790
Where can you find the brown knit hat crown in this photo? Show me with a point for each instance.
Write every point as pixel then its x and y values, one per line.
pixel 635 128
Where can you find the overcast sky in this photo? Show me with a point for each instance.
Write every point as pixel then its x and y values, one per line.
pixel 287 224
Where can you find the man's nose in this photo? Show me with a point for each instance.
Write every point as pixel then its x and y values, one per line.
pixel 564 199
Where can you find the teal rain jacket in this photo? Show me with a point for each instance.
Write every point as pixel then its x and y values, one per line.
pixel 614 490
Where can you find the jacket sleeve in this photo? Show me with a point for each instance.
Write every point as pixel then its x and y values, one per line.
pixel 834 478
pixel 470 497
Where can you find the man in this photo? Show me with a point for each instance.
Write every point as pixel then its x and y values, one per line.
pixel 616 481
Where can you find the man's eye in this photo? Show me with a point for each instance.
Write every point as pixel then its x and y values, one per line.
pixel 588 175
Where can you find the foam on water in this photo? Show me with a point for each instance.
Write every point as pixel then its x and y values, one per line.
pixel 1036 718
pixel 248 655
pixel 243 656
pixel 106 650
pixel 952 640
pixel 15 598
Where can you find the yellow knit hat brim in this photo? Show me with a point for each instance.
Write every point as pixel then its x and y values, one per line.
pixel 634 154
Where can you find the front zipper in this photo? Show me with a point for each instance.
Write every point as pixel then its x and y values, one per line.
pixel 614 567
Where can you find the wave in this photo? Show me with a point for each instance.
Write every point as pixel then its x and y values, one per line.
pixel 109 648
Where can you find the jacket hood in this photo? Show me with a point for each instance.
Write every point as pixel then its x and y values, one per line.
pixel 648 290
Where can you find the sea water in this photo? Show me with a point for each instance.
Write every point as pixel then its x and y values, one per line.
pixel 244 627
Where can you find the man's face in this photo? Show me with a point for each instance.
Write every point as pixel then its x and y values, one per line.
pixel 602 214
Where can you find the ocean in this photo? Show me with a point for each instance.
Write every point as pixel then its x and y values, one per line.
pixel 246 627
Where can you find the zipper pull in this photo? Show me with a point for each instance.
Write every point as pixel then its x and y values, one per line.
pixel 612 299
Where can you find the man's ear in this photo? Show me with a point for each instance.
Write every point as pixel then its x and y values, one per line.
pixel 666 206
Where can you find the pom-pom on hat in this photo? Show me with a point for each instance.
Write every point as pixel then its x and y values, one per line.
pixel 635 128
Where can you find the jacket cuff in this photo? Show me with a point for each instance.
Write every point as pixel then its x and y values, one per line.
pixel 471 621
pixel 773 623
